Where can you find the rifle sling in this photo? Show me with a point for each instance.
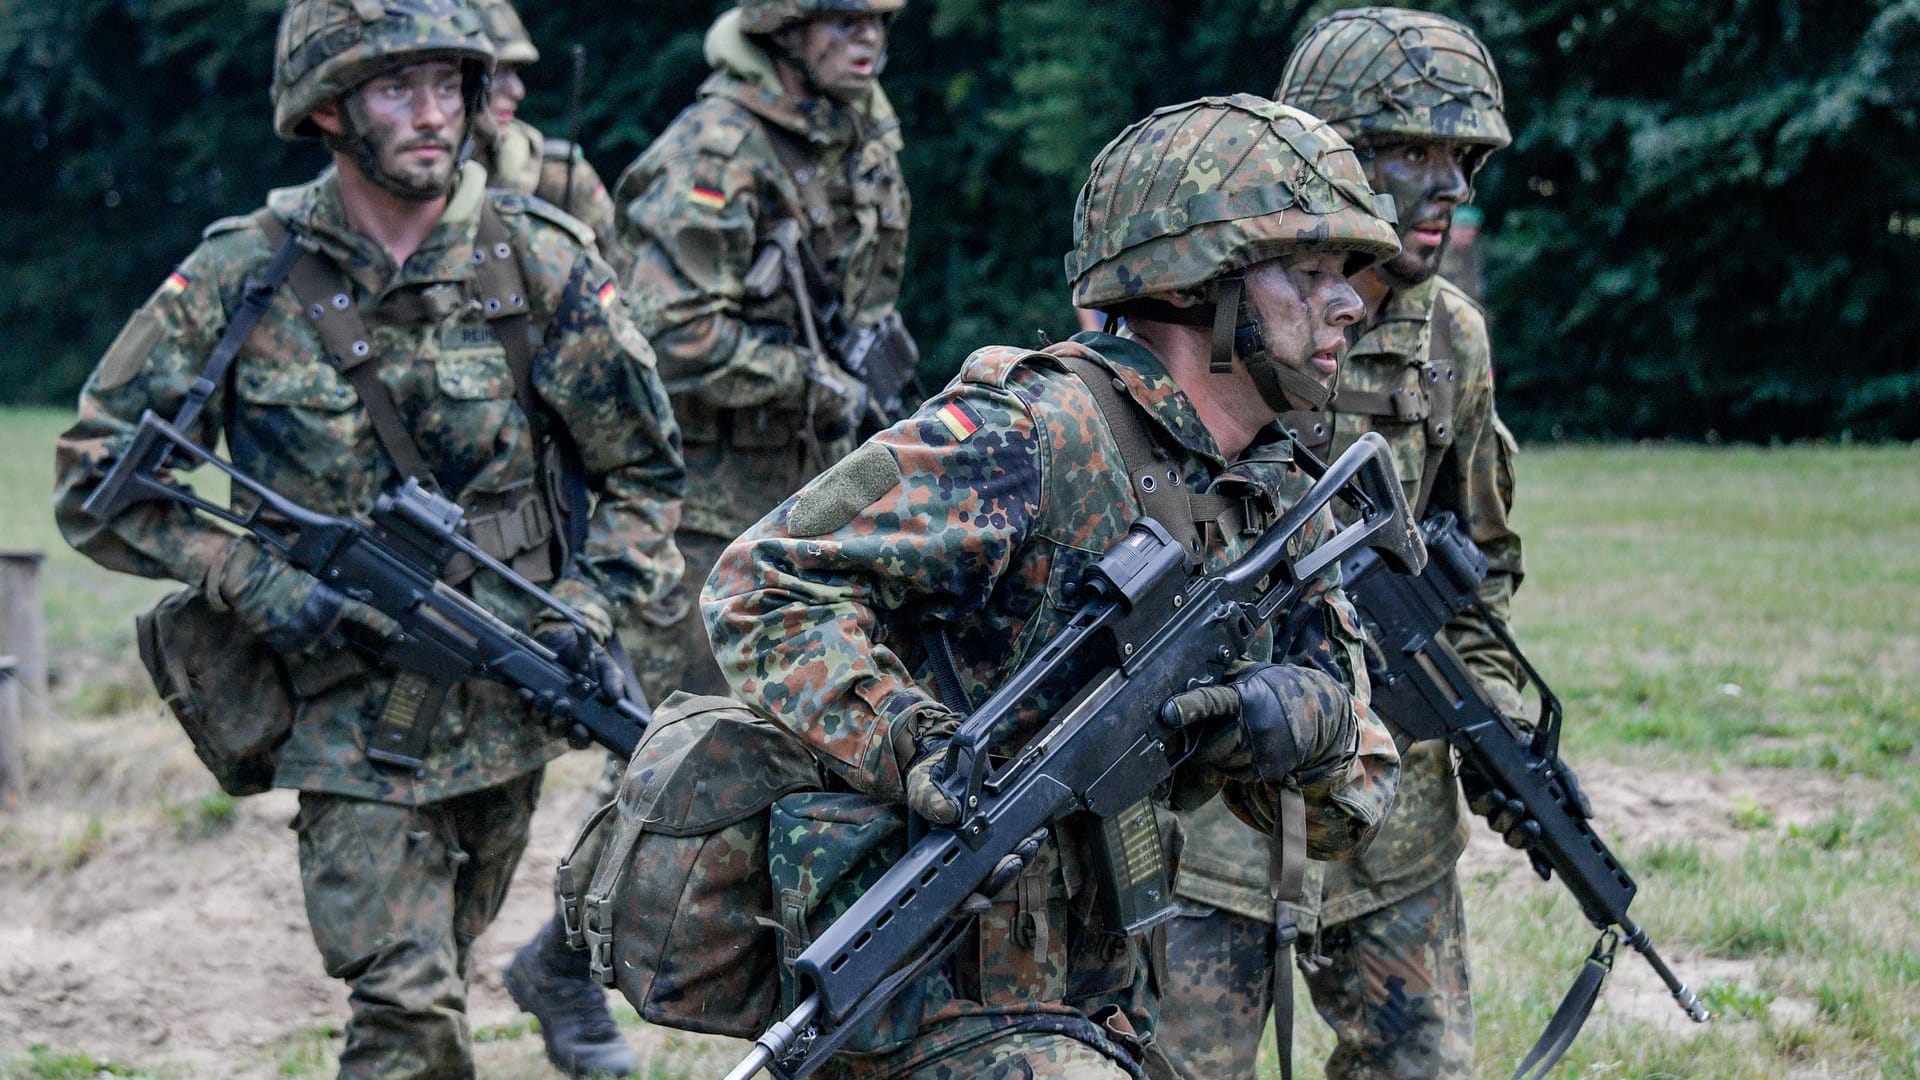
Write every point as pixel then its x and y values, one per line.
pixel 253 304
pixel 1568 1019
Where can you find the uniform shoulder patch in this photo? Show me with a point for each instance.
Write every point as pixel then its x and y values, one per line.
pixel 959 419
pixel 850 486
pixel 996 364
pixel 130 348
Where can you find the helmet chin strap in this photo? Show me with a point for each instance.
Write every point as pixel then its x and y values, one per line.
pixel 1236 331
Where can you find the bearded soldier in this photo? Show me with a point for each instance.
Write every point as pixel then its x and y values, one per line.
pixel 517 157
pixel 948 550
pixel 1418 96
pixel 417 327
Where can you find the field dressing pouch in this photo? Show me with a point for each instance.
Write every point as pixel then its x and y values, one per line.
pixel 679 913
pixel 226 687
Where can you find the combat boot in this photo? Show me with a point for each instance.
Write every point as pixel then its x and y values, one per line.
pixel 550 980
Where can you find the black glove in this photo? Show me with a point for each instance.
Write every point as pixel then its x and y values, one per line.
pixel 1273 722
pixel 289 609
pixel 1508 816
pixel 577 651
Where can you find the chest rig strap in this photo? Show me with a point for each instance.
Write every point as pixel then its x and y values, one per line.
pixel 1430 403
pixel 520 533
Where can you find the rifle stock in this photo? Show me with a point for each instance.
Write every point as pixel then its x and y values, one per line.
pixel 393 566
pixel 1157 628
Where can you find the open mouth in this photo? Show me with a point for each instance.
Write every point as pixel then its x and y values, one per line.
pixel 1428 235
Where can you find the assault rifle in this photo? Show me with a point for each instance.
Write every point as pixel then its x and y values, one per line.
pixel 881 356
pixel 1156 628
pixel 393 565
pixel 1421 686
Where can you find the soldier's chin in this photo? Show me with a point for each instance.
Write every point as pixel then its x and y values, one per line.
pixel 418 185
pixel 1407 269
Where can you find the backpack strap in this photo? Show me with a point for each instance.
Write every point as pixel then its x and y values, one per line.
pixel 1159 488
pixel 253 304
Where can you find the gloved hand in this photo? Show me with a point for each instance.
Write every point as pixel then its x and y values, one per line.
pixel 1508 816
pixel 932 731
pixel 578 651
pixel 289 609
pixel 1272 722
pixel 838 400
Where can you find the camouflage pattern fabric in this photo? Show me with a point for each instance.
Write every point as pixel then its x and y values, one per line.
pixel 1220 968
pixel 696 210
pixel 1393 985
pixel 295 423
pixel 325 48
pixel 395 897
pixel 521 159
pixel 772 16
pixel 984 510
pixel 1023 1057
pixel 1203 188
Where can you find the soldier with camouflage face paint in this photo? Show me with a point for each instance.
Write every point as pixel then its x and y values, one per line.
pixel 1222 230
pixel 1418 96
pixel 516 156
pixel 402 868
pixel 792 126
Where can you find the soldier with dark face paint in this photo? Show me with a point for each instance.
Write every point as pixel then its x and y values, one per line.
pixel 871 611
pixel 405 858
pixel 1418 96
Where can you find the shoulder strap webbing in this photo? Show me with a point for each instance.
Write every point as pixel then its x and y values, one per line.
pixel 253 304
pixel 323 292
pixel 1442 375
pixel 1158 488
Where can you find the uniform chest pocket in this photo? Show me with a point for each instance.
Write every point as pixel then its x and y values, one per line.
pixel 314 387
pixel 474 376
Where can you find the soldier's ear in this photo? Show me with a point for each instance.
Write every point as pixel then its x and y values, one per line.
pixel 326 116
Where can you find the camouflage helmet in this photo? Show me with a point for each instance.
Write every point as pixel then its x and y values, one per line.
pixel 1200 190
pixel 511 43
pixel 773 16
pixel 326 48
pixel 1386 73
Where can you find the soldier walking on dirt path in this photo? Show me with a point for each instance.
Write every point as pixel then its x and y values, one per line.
pixel 391 340
pixel 1385 951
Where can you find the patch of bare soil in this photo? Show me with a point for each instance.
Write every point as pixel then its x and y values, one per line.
pixel 1718 812
pixel 131 933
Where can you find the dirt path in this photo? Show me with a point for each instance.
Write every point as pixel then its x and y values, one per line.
pixel 132 932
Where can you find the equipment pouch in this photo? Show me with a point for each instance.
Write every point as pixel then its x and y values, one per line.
pixel 229 691
pixel 827 849
pixel 677 913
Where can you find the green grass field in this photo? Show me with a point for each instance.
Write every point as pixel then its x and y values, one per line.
pixel 1742 622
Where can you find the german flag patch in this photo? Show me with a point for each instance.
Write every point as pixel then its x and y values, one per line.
pixel 175 284
pixel 959 420
pixel 606 294
pixel 711 198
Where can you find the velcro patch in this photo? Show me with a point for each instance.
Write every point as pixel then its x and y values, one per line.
pixel 129 351
pixel 838 494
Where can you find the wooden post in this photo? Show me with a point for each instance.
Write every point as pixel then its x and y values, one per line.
pixel 23 628
pixel 13 755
